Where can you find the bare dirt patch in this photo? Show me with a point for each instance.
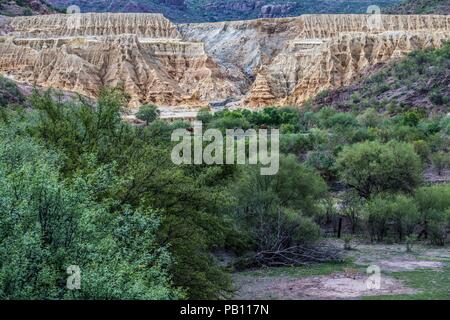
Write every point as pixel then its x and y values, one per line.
pixel 396 265
pixel 331 287
pixel 394 258
pixel 345 285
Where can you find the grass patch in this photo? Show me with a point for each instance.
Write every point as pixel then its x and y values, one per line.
pixel 433 285
pixel 318 269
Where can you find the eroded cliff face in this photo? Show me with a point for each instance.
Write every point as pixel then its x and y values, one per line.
pixel 257 63
pixel 143 52
pixel 289 60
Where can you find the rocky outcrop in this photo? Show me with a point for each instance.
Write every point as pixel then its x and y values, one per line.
pixel 277 10
pixel 92 24
pixel 304 55
pixel 142 52
pixel 261 92
pixel 25 7
pixel 190 11
pixel 259 62
pixel 421 7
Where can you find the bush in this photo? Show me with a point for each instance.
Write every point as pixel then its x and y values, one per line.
pixel 148 113
pixel 274 209
pixel 437 98
pixel 303 229
pixel 369 118
pixel 372 167
pixel 422 149
pixel 323 162
pixel 438 226
pixel 440 161
pixel 9 93
pixel 205 116
pixel 391 214
pixel 434 204
pixel 48 224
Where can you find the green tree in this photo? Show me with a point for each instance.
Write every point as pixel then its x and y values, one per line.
pixel 396 214
pixel 148 113
pixel 47 225
pixel 205 116
pixel 372 167
pixel 434 205
pixel 440 161
pixel 275 210
pixel 323 162
pixel 189 198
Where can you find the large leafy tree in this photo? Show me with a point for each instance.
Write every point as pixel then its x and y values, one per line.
pixel 373 167
pixel 141 176
pixel 148 113
pixel 275 210
pixel 48 224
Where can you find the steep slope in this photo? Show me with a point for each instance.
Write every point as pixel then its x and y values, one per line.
pixel 250 63
pixel 142 52
pixel 420 80
pixel 25 7
pixel 224 10
pixel 293 59
pixel 9 93
pixel 421 7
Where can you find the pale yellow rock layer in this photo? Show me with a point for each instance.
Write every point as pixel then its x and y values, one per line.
pixel 260 62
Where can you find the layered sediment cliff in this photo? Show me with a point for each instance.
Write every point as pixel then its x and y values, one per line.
pixel 289 60
pixel 143 52
pixel 258 62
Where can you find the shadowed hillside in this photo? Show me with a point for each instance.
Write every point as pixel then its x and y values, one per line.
pixel 421 80
pixel 224 10
pixel 25 7
pixel 422 7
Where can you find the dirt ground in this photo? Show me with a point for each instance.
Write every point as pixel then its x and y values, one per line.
pixel 352 283
pixel 394 258
pixel 331 287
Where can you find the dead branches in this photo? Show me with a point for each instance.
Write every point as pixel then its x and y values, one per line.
pixel 292 256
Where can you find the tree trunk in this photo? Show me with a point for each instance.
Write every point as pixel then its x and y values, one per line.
pixel 339 228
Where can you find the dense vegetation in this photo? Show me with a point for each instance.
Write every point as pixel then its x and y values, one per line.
pixel 420 81
pixel 223 10
pixel 421 7
pixel 25 7
pixel 79 186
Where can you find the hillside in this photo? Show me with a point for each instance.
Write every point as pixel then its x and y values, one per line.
pixel 224 10
pixel 421 80
pixel 421 7
pixel 253 63
pixel 9 93
pixel 78 185
pixel 25 7
pixel 269 69
pixel 335 186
